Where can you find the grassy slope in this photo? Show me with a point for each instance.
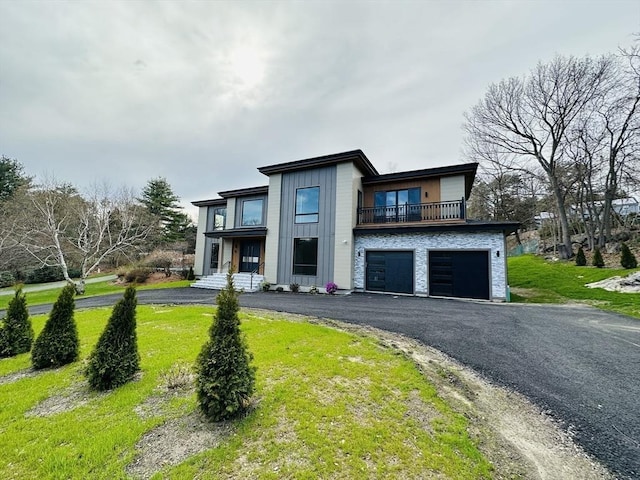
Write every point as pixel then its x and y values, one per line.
pixel 330 405
pixel 559 282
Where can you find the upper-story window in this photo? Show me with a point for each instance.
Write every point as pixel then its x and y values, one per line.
pixel 394 204
pixel 307 204
pixel 219 218
pixel 252 212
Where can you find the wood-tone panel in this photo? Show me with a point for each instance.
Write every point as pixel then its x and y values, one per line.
pixel 431 186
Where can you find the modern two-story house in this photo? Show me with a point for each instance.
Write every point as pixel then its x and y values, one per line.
pixel 336 219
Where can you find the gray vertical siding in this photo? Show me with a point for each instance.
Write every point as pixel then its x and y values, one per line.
pixel 324 230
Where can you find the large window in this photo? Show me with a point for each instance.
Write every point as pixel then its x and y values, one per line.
pixel 307 204
pixel 252 212
pixel 395 205
pixel 305 256
pixel 219 217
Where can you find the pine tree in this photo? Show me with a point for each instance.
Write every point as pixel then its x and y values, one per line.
pixel 161 202
pixel 58 342
pixel 226 379
pixel 17 332
pixel 597 258
pixel 627 259
pixel 581 260
pixel 115 359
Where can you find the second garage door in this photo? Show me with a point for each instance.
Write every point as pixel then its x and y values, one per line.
pixel 459 273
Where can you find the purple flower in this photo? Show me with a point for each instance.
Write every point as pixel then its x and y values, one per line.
pixel 331 288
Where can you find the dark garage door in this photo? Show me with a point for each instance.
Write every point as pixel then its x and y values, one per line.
pixel 462 274
pixel 390 272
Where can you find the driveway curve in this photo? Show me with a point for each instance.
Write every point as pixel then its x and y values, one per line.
pixel 579 364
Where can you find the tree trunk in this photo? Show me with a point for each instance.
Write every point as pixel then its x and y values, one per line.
pixel 567 251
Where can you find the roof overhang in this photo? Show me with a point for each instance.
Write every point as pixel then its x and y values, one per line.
pixel 244 192
pixel 358 157
pixel 505 227
pixel 209 203
pixel 238 232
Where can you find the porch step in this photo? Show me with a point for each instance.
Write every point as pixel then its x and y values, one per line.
pixel 241 281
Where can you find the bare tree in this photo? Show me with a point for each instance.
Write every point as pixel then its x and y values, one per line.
pixel 529 118
pixel 63 226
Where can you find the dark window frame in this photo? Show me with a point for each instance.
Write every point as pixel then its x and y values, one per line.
pixel 260 221
pixel 310 216
pixel 215 255
pixel 303 265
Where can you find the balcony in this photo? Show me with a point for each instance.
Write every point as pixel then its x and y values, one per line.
pixel 414 213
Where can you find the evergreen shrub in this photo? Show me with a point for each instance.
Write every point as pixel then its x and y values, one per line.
pixel 16 332
pixel 58 342
pixel 115 359
pixel 225 379
pixel 581 260
pixel 627 258
pixel 6 279
pixel 597 261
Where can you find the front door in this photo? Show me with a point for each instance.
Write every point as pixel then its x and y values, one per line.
pixel 249 255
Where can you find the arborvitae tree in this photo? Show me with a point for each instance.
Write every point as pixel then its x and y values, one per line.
pixel 191 275
pixel 627 259
pixel 226 379
pixel 17 332
pixel 581 260
pixel 58 342
pixel 597 258
pixel 115 359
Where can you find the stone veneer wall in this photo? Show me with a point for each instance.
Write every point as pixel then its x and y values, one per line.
pixel 421 243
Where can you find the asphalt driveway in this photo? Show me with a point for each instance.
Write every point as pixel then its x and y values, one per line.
pixel 579 364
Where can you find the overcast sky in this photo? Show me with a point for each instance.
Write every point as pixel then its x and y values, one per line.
pixel 203 93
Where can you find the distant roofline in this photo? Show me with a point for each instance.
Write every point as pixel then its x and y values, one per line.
pixel 209 203
pixel 356 156
pixel 242 192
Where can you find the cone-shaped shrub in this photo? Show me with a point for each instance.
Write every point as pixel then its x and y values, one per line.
pixel 17 333
pixel 58 342
pixel 627 259
pixel 597 258
pixel 226 379
pixel 115 359
pixel 581 260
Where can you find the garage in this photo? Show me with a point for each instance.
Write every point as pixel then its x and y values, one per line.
pixel 459 273
pixel 389 271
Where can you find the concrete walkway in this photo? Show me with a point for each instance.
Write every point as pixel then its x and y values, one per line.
pixel 39 287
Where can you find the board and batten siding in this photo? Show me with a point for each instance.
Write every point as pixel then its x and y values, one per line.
pixel 272 242
pixel 324 229
pixel 451 188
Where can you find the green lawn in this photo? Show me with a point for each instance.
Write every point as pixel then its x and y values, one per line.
pixel 92 290
pixel 536 280
pixel 329 404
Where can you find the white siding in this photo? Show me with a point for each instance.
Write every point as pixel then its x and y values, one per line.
pixel 421 243
pixel 451 188
pixel 198 266
pixel 347 185
pixel 273 227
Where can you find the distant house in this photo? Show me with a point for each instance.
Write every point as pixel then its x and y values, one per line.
pixel 626 206
pixel 335 218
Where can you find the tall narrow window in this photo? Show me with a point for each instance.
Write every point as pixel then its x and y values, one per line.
pixel 252 212
pixel 307 204
pixel 215 255
pixel 305 256
pixel 219 218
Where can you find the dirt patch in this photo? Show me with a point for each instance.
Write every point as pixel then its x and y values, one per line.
pixel 173 442
pixel 19 375
pixel 76 395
